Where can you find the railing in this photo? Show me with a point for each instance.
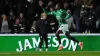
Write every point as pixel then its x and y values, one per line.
pixel 76 34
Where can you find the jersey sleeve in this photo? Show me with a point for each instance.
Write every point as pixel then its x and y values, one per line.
pixel 67 16
pixel 44 10
pixel 48 13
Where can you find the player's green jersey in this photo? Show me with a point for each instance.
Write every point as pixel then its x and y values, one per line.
pixel 60 14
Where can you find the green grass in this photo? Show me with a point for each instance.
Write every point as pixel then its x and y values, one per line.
pixel 65 53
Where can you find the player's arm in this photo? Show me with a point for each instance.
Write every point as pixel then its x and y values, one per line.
pixel 44 10
pixel 48 13
pixel 67 16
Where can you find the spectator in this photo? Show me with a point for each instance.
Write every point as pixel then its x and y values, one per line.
pixel 39 10
pixel 31 12
pixel 50 4
pixel 97 12
pixel 4 24
pixel 11 18
pixel 22 19
pixel 57 6
pixel 82 11
pixel 91 18
pixel 70 22
pixel 21 6
pixel 83 16
pixel 76 14
pixel 66 6
pixel 98 26
pixel 22 22
pixel 17 27
pixel 52 21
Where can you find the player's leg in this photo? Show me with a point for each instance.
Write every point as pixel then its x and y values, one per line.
pixel 72 38
pixel 58 37
pixel 46 41
pixel 41 42
pixel 65 30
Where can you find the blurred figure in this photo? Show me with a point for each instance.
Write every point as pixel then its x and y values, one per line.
pixel 22 19
pixel 91 19
pixel 66 6
pixel 17 27
pixel 70 22
pixel 85 22
pixel 21 6
pixel 52 21
pixel 97 12
pixel 31 12
pixel 57 6
pixel 39 10
pixel 76 14
pixel 40 3
pixel 98 26
pixel 88 19
pixel 11 18
pixel 50 4
pixel 4 24
pixel 22 22
pixel 43 31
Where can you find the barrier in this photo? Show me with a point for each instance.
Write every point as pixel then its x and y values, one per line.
pixel 30 42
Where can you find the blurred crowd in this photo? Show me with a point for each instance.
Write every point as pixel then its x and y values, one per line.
pixel 21 16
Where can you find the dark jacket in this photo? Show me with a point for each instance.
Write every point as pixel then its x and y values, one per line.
pixel 16 28
pixel 53 24
pixel 42 27
pixel 31 9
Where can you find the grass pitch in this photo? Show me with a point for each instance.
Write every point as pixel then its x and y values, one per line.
pixel 60 53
